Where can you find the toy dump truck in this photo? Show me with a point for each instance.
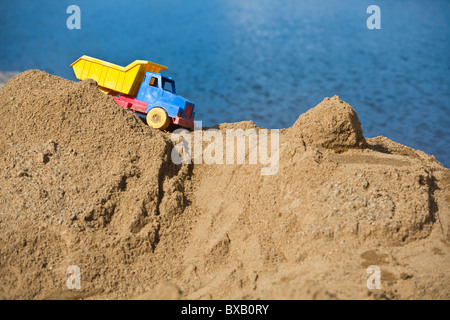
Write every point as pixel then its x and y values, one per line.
pixel 141 88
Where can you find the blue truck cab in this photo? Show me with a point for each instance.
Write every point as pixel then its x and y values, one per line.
pixel 160 91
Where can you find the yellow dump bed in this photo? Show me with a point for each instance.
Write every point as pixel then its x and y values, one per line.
pixel 114 79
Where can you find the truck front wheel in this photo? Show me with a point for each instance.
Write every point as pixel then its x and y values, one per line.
pixel 157 118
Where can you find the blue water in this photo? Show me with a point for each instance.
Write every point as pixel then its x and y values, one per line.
pixel 266 60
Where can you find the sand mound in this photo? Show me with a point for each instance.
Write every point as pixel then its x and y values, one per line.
pixel 332 124
pixel 84 182
pixel 73 158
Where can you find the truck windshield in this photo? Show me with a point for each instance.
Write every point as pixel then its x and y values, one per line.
pixel 168 85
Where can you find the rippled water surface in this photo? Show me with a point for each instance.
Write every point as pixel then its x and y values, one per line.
pixel 266 60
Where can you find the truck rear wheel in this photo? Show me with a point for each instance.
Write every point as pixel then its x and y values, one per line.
pixel 157 118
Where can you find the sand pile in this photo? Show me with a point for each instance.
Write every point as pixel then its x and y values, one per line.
pixel 337 205
pixel 333 124
pixel 84 182
pixel 81 181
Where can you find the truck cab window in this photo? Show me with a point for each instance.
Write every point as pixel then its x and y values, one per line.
pixel 168 85
pixel 154 82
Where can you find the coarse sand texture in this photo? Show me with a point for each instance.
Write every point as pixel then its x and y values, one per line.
pixel 85 182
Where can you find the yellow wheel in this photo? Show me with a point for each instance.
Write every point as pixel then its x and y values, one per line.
pixel 157 118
